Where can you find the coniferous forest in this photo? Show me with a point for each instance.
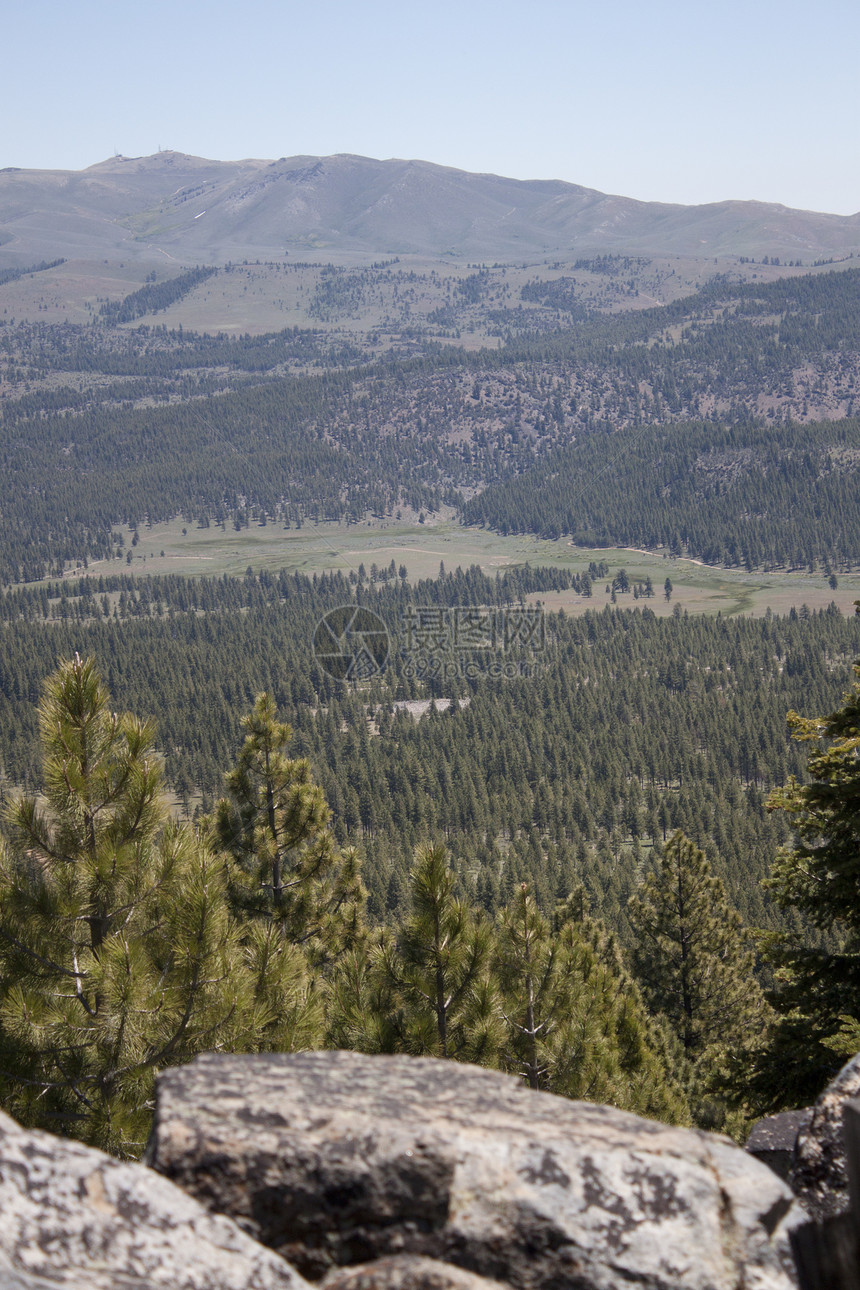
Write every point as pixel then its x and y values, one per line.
pixel 623 865
pixel 739 399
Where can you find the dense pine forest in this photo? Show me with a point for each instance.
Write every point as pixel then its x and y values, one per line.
pixel 568 880
pixel 743 495
pixel 624 728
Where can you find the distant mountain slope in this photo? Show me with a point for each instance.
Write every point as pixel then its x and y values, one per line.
pixel 196 210
pixel 594 429
pixel 760 496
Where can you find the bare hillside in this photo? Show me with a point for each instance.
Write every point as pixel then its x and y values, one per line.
pixel 195 210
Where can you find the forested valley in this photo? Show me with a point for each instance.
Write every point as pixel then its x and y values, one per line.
pixel 476 851
pixel 304 425
pixel 623 728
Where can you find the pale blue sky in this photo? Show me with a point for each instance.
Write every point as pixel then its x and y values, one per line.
pixel 666 101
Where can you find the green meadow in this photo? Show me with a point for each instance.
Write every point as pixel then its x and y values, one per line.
pixel 421 548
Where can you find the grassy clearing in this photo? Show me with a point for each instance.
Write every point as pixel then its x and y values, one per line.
pixel 195 552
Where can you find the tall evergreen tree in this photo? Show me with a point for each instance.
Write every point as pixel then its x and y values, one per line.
pixel 576 1022
pixel 364 1010
pixel 817 880
pixel 438 966
pixel 533 983
pixel 275 824
pixel 691 954
pixel 820 873
pixel 117 950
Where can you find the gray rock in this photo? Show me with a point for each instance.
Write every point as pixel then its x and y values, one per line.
pixel 819 1173
pixel 72 1217
pixel 406 1272
pixel 339 1158
pixel 773 1140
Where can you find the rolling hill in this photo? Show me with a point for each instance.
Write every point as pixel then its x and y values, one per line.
pixel 195 210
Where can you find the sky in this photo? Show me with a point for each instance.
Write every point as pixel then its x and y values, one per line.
pixel 663 101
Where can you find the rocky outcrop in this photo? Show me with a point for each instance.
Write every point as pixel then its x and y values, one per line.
pixel 819 1173
pixel 406 1272
pixel 72 1217
pixel 335 1159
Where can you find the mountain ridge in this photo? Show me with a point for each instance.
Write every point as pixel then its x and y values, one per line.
pixel 199 210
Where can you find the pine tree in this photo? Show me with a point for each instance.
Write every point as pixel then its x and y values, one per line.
pixel 817 880
pixel 275 825
pixel 364 1011
pixel 645 1076
pixel 117 950
pixel 529 965
pixel 576 1023
pixel 691 954
pixel 820 874
pixel 438 967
